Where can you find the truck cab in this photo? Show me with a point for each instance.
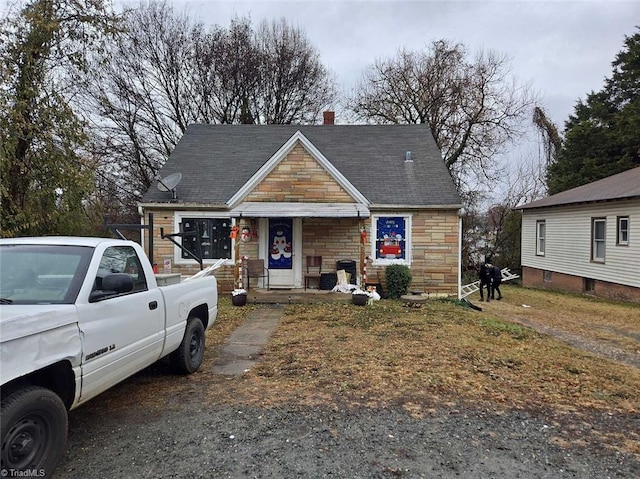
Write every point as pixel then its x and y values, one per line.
pixel 77 316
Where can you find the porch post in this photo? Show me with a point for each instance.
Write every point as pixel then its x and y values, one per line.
pixel 363 245
pixel 236 254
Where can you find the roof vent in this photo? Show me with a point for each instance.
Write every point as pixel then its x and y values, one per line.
pixel 408 158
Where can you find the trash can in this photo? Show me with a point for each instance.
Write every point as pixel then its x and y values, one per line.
pixel 350 267
pixel 328 281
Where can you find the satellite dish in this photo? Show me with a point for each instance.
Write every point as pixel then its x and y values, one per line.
pixel 169 183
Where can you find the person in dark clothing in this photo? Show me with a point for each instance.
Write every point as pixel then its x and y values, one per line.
pixel 496 280
pixel 485 280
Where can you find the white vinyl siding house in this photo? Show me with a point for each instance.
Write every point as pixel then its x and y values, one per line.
pixel 585 240
pixel 570 242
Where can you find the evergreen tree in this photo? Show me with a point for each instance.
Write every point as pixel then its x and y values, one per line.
pixel 46 174
pixel 602 137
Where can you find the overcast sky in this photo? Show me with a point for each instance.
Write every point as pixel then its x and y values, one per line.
pixel 564 48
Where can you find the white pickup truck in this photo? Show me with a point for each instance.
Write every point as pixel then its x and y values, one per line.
pixel 77 316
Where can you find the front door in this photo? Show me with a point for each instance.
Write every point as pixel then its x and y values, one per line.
pixel 281 252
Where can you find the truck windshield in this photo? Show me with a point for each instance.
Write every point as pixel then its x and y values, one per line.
pixel 32 274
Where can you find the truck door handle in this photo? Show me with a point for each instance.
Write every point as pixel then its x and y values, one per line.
pixel 153 305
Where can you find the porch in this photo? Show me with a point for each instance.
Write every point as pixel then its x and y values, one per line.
pixel 310 296
pixel 286 245
pixel 294 296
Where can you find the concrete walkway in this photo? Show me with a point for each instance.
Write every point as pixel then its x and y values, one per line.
pixel 242 348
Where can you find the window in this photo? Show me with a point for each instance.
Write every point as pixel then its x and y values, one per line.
pixel 211 237
pixel 622 237
pixel 540 237
pixel 32 274
pixel 121 259
pixel 598 238
pixel 392 238
pixel 547 276
pixel 589 285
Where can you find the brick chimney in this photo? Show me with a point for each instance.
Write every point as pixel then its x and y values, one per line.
pixel 328 117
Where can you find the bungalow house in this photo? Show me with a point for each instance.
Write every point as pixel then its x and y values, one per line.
pixel 361 197
pixel 586 240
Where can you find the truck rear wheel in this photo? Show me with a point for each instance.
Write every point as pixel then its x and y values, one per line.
pixel 34 431
pixel 189 355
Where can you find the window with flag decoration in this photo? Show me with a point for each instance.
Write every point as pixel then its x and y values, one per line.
pixel 391 233
pixel 210 237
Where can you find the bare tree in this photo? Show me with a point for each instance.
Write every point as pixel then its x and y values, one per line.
pixel 225 73
pixel 496 231
pixel 473 107
pixel 294 85
pixel 141 97
pixel 167 71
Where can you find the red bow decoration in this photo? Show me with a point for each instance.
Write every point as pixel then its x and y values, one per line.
pixel 363 236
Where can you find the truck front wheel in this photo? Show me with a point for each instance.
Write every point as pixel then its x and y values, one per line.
pixel 34 431
pixel 189 355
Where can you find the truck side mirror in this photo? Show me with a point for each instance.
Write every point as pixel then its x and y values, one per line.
pixel 112 285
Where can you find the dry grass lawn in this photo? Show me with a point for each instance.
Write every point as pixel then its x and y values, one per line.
pixel 613 325
pixel 387 353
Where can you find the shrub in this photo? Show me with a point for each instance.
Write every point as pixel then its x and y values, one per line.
pixel 398 279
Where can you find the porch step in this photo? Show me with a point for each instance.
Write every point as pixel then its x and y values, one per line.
pixel 294 296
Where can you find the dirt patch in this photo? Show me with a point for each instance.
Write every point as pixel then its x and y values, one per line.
pixel 603 348
pixel 608 329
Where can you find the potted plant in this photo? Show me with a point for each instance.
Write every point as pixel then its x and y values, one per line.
pixel 360 297
pixel 239 297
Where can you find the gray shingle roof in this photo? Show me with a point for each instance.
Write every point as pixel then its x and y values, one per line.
pixel 625 185
pixel 217 160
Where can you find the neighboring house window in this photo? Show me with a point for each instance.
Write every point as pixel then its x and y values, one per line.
pixel 540 237
pixel 598 238
pixel 211 235
pixel 589 285
pixel 392 234
pixel 623 231
pixel 547 276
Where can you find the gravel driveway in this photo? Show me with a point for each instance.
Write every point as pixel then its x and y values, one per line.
pixel 185 441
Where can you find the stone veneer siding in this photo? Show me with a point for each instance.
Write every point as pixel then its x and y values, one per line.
pixel 534 278
pixel 435 242
pixel 435 254
pixel 434 266
pixel 299 178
